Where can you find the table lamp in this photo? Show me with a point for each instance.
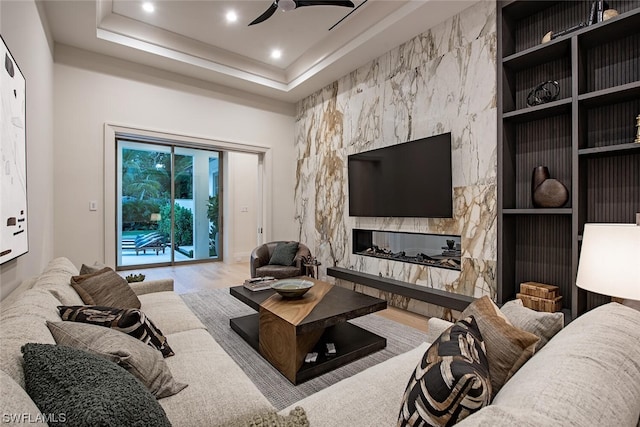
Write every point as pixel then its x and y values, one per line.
pixel 610 261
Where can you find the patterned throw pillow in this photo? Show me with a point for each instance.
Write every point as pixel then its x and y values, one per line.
pixel 105 288
pixel 76 388
pixel 451 381
pixel 128 320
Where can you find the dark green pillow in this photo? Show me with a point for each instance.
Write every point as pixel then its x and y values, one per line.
pixel 284 253
pixel 86 390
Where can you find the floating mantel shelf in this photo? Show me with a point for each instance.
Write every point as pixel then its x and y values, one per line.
pixel 422 293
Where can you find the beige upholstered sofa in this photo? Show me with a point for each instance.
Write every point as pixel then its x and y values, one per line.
pixel 588 374
pixel 218 391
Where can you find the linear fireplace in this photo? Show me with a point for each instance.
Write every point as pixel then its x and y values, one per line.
pixel 433 250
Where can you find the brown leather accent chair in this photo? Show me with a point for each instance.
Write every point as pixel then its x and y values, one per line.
pixel 261 255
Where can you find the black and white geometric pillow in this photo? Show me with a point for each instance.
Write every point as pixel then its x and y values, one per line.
pixel 131 321
pixel 451 381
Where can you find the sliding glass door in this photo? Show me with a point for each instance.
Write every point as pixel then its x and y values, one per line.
pixel 196 212
pixel 168 209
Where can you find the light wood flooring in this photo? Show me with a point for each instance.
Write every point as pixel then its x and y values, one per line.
pixel 216 275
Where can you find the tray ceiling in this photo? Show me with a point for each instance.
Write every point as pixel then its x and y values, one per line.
pixel 318 43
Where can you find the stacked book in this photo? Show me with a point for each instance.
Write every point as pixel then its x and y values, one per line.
pixel 540 296
pixel 259 283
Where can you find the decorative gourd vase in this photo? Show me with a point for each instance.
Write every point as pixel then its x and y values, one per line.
pixel 547 192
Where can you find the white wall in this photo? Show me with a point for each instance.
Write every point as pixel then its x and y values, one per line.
pixel 242 192
pixel 91 90
pixel 24 34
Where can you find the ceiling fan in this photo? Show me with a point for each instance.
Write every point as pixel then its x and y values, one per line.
pixel 287 5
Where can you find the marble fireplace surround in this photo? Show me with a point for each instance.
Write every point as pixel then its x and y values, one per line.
pixel 443 80
pixel 433 250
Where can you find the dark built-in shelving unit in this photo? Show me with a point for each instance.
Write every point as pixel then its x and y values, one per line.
pixel 585 137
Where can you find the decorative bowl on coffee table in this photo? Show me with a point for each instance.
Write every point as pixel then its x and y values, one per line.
pixel 292 288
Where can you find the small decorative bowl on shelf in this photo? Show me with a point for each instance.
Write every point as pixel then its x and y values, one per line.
pixel 292 288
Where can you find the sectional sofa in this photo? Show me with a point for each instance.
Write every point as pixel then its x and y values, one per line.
pixel 588 374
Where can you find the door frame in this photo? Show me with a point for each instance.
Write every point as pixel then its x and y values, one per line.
pixel 113 131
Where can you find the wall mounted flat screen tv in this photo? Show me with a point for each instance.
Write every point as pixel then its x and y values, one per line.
pixel 412 179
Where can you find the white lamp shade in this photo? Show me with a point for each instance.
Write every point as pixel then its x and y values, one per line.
pixel 156 217
pixel 610 260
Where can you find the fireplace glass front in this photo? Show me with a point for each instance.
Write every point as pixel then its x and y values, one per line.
pixel 433 250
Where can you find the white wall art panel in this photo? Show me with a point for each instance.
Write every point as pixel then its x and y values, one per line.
pixel 13 161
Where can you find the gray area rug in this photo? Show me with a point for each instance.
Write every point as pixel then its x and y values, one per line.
pixel 215 308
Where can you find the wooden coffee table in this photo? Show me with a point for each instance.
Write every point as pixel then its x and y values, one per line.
pixel 285 330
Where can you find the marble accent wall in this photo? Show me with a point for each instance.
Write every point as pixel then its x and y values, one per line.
pixel 443 80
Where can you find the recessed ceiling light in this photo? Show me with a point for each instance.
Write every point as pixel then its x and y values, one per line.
pixel 276 53
pixel 231 16
pixel 148 7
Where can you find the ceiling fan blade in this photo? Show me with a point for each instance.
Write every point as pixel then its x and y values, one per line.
pixel 267 14
pixel 344 3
